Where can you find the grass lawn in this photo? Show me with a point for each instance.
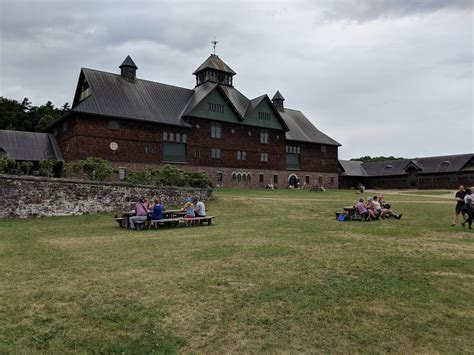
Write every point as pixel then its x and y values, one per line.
pixel 276 273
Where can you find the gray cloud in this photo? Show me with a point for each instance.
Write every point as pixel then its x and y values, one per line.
pixel 382 77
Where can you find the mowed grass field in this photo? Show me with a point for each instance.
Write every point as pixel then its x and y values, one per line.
pixel 276 273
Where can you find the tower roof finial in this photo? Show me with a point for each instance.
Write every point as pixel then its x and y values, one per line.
pixel 214 44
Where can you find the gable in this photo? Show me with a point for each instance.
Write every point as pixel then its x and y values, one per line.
pixel 263 115
pixel 215 107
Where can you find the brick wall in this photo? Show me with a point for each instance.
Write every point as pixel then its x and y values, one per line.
pixel 27 196
pixel 140 142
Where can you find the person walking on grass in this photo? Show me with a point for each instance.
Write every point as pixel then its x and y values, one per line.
pixel 468 209
pixel 459 197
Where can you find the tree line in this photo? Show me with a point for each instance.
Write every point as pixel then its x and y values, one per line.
pixel 368 158
pixel 23 116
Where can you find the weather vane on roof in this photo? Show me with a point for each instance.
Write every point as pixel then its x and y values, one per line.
pixel 214 44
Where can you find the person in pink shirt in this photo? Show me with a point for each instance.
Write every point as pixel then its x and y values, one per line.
pixel 367 214
pixel 141 213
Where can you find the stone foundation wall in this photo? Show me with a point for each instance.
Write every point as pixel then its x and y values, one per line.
pixel 229 177
pixel 27 196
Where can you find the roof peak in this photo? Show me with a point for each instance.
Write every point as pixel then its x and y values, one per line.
pixel 278 96
pixel 216 63
pixel 128 62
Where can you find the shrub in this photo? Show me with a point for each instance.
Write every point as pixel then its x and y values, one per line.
pixel 46 167
pixel 198 180
pixel 146 177
pixel 72 169
pixel 97 168
pixel 24 167
pixel 171 176
pixel 6 165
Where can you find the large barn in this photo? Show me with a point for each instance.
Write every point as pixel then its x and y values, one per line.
pixel 447 171
pixel 212 128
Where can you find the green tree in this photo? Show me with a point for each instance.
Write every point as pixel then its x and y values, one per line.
pixel 44 122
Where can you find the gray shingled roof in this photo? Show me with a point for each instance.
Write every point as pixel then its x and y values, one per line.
pixel 302 130
pixel 143 100
pixel 214 62
pixel 140 100
pixel 32 146
pixel 427 165
pixel 352 168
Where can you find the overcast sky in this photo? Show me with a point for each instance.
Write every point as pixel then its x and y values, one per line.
pixel 386 77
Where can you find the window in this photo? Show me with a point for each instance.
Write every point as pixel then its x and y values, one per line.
pixel 332 180
pixel 114 124
pixel 320 180
pixel 323 149
pixel 183 138
pixel 165 136
pixel 323 162
pixel 216 153
pixel 292 161
pixel 275 179
pixel 239 155
pixel 264 116
pixel 216 130
pixel 174 152
pixel 249 177
pixel 306 180
pixel 122 173
pixel 220 176
pixel 197 154
pixel 264 136
pixel 261 177
pixel 150 149
pixel 264 157
pixel 171 137
pixel 216 107
pixel 85 92
pixel 234 176
pixel 178 138
pixel 64 126
pixel 244 155
pixel 239 177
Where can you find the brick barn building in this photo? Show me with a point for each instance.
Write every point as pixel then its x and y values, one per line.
pixel 214 128
pixel 448 171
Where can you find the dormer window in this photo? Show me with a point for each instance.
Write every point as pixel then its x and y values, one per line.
pixel 85 92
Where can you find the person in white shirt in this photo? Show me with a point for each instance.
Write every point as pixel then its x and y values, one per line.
pixel 199 208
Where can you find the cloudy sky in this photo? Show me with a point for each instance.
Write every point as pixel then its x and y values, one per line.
pixel 382 77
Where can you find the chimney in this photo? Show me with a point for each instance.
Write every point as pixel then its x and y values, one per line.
pixel 128 69
pixel 278 101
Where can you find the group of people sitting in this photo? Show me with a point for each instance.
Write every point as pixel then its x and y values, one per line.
pixel 146 211
pixel 375 208
pixel 464 206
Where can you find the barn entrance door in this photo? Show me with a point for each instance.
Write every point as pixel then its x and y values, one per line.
pixel 293 181
pixel 412 178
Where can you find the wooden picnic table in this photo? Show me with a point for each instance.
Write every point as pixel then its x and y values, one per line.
pixel 125 222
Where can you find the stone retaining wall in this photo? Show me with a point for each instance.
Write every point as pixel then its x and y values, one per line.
pixel 28 196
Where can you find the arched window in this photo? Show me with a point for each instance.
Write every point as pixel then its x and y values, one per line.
pixel 248 177
pixel 172 137
pixel 239 177
pixel 183 138
pixel 234 176
pixel 165 136
pixel 178 138
pixel 244 177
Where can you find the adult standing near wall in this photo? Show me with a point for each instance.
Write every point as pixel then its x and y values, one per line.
pixel 459 197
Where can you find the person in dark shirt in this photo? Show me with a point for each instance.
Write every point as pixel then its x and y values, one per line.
pixel 459 197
